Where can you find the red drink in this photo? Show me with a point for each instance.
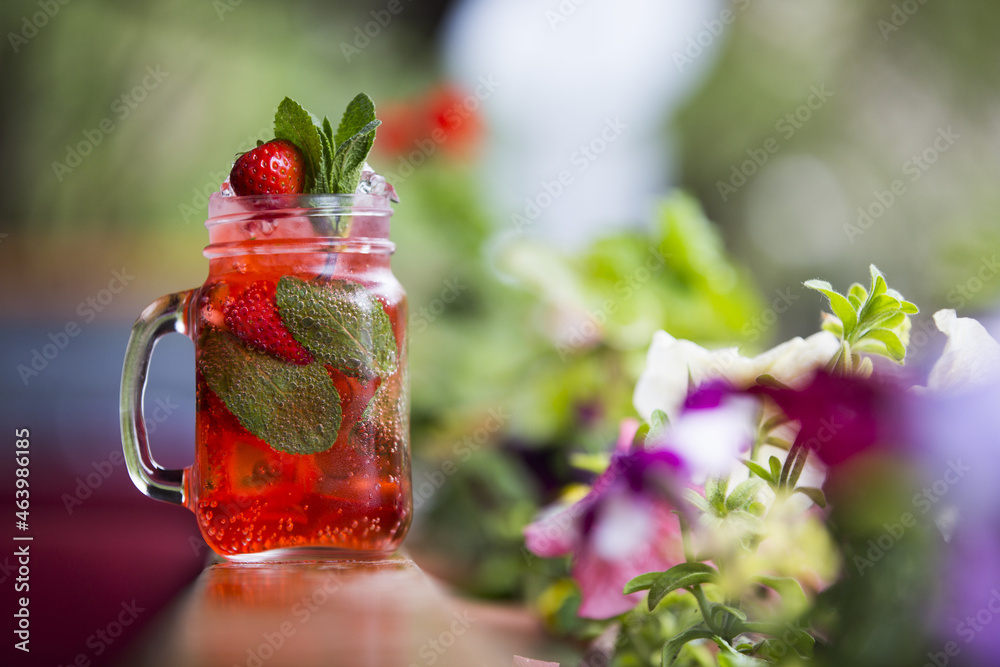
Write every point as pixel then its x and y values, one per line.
pixel 302 427
pixel 353 491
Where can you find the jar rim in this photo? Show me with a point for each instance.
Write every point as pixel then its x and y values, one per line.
pixel 298 223
pixel 222 208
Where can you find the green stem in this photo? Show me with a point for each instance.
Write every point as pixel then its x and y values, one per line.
pixel 789 463
pixel 696 589
pixel 686 539
pixel 703 605
pixel 800 463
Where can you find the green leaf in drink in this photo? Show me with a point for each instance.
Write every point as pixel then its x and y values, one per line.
pixel 341 324
pixel 294 408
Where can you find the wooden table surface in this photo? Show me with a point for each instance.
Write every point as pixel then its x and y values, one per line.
pixel 359 613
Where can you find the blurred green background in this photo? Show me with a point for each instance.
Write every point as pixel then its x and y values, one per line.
pixel 900 92
pixel 226 63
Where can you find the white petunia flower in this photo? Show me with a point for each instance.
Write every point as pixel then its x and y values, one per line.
pixel 794 361
pixel 971 357
pixel 672 364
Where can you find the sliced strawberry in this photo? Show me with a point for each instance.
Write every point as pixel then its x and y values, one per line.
pixel 274 168
pixel 253 317
pixel 355 394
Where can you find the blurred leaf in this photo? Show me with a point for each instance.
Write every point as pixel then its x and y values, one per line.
pixel 814 494
pixel 743 494
pixel 759 470
pixel 790 590
pixel 673 647
pixel 679 576
pixel 642 582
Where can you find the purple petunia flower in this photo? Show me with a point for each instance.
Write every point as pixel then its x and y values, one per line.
pixel 624 527
pixel 841 417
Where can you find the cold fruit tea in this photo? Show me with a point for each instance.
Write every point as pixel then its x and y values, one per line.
pixel 302 404
pixel 302 424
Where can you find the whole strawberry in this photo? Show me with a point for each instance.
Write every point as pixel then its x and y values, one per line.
pixel 253 316
pixel 274 168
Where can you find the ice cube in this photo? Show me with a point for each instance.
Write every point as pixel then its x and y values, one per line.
pixel 373 184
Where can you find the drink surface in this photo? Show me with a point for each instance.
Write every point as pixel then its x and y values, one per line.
pixel 351 491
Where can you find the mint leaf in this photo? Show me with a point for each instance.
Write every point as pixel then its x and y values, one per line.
pixel 327 137
pixel 334 160
pixel 340 323
pixel 295 409
pixel 350 158
pixel 328 130
pixel 353 141
pixel 295 124
pixel 359 112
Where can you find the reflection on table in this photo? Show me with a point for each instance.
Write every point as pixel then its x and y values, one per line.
pixel 383 613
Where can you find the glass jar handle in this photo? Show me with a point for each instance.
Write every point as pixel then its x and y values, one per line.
pixel 168 314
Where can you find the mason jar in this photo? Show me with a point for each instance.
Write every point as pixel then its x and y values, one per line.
pixel 302 419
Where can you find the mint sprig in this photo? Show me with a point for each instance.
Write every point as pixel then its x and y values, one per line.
pixel 873 321
pixel 295 409
pixel 333 160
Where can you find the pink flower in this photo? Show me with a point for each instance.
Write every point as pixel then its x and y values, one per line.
pixel 623 528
